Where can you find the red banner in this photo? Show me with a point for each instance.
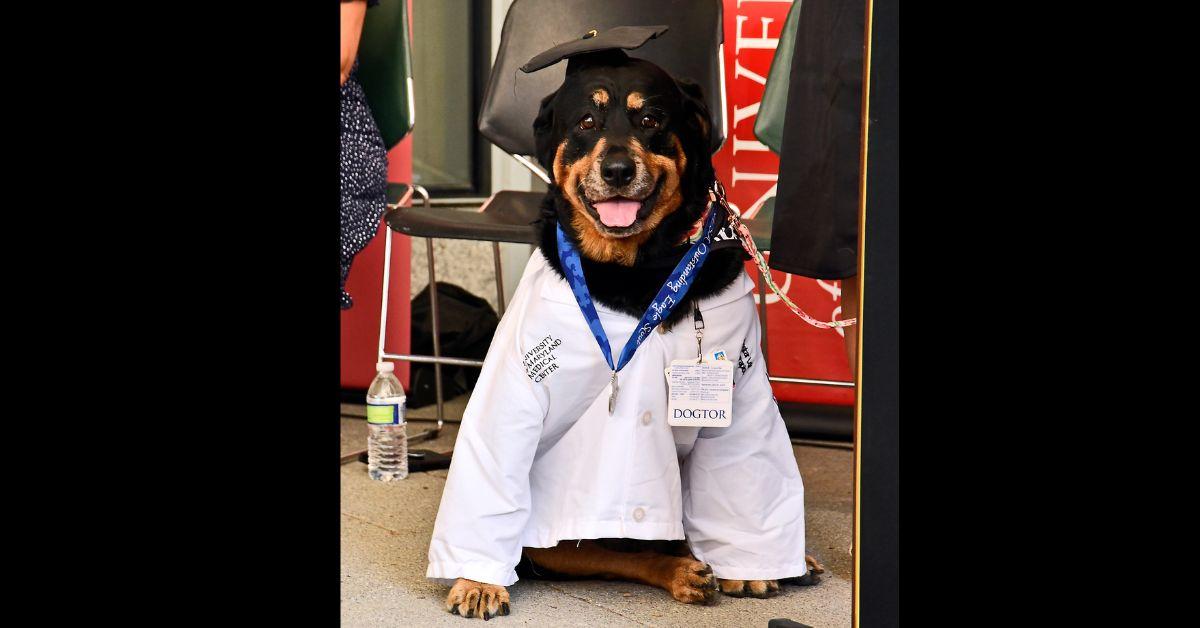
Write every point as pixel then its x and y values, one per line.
pixel 749 171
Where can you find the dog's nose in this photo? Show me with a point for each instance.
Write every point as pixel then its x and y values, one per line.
pixel 617 169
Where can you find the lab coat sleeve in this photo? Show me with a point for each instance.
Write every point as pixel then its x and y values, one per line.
pixel 486 501
pixel 743 499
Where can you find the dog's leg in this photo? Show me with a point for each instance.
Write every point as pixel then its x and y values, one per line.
pixel 476 599
pixel 686 579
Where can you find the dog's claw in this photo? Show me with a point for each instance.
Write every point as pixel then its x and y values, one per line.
pixel 761 589
pixel 693 583
pixel 470 599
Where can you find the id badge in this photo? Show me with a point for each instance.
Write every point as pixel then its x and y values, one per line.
pixel 700 394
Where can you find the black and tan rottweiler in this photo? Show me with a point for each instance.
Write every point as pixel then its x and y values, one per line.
pixel 628 148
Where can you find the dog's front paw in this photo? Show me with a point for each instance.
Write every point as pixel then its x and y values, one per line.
pixel 476 599
pixel 749 588
pixel 693 583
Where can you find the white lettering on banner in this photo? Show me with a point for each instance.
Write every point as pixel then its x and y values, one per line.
pixel 741 113
pixel 739 144
pixel 752 176
pixel 763 42
pixel 758 203
pixel 834 289
pixel 740 70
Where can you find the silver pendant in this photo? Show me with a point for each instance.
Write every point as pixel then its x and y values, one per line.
pixel 612 397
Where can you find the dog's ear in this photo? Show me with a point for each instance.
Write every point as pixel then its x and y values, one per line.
pixel 698 116
pixel 543 134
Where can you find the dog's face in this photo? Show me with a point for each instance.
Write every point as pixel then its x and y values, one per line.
pixel 622 143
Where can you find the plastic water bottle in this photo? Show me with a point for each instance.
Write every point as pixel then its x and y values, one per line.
pixel 387 444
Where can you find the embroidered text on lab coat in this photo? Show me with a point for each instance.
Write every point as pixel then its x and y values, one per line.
pixel 540 361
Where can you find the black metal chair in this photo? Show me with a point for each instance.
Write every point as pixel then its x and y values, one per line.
pixel 690 49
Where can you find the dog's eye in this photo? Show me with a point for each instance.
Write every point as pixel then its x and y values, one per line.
pixel 649 122
pixel 587 122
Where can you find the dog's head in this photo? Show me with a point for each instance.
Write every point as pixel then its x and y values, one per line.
pixel 627 145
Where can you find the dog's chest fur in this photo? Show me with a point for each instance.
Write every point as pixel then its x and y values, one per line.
pixel 630 289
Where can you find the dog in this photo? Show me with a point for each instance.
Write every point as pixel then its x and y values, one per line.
pixel 628 148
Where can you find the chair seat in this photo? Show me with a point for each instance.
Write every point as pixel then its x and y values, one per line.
pixel 507 216
pixel 510 216
pixel 760 225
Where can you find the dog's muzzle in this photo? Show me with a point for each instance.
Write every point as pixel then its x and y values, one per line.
pixel 617 188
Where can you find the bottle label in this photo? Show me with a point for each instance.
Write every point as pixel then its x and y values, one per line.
pixel 384 415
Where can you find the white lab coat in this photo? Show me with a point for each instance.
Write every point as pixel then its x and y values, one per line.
pixel 539 459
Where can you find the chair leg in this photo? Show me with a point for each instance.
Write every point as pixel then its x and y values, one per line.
pixel 499 277
pixel 383 312
pixel 437 341
pixel 383 308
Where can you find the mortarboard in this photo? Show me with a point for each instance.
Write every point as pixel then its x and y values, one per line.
pixel 612 40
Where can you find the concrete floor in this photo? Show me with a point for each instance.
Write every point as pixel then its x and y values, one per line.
pixel 386 530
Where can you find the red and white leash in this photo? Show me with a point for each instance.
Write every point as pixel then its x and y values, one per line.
pixel 716 194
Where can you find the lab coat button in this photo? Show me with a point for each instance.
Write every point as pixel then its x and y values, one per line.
pixel 646 418
pixel 638 514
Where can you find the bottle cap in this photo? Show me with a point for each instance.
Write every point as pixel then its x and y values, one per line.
pixel 385 367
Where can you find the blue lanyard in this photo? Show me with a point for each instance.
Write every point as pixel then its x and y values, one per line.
pixel 670 295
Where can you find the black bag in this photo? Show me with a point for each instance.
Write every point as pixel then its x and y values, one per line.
pixel 467 324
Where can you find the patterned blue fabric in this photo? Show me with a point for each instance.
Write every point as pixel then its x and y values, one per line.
pixel 670 295
pixel 363 173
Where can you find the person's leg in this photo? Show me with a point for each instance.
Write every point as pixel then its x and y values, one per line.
pixel 850 310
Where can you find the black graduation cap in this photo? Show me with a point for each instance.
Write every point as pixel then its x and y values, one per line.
pixel 612 40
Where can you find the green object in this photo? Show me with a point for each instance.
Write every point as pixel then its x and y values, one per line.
pixel 760 225
pixel 768 126
pixel 384 415
pixel 385 69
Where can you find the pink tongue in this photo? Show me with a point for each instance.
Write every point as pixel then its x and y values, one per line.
pixel 620 213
